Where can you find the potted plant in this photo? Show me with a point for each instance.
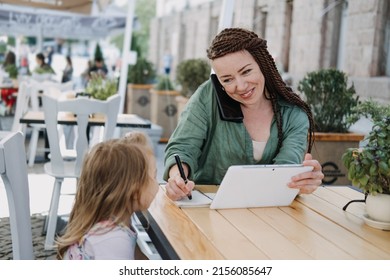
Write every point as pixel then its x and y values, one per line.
pixel 331 101
pixel 163 106
pixel 142 72
pixel 369 170
pixel 164 83
pixel 101 88
pixel 190 74
pixel 141 77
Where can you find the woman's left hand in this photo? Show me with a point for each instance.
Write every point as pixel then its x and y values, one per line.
pixel 308 182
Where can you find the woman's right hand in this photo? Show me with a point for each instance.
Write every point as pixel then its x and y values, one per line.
pixel 177 189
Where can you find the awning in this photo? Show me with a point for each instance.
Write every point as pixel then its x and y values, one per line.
pixel 74 6
pixel 31 22
pixel 53 24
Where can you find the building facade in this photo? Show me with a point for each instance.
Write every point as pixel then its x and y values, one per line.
pixel 302 35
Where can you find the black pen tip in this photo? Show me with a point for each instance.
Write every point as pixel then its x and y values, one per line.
pixel 189 197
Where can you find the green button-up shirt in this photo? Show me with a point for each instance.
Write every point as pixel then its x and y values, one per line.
pixel 209 145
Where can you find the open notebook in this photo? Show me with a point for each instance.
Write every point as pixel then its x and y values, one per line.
pixel 245 186
pixel 199 199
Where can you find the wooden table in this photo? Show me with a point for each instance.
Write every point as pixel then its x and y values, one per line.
pixel 313 227
pixel 124 120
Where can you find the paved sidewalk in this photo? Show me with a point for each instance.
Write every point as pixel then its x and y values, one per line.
pixel 40 253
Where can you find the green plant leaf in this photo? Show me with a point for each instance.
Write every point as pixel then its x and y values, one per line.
pixel 373 169
pixel 384 168
pixel 364 180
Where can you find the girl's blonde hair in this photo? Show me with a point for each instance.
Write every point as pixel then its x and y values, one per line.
pixel 113 175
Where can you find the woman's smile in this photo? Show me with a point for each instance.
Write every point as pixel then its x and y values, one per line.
pixel 248 94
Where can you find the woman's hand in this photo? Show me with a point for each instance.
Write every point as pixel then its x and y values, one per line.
pixel 308 182
pixel 176 188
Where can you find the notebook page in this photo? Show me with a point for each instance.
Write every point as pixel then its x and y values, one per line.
pixel 198 200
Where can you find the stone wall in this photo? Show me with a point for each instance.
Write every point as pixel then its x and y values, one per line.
pixel 303 37
pixel 363 40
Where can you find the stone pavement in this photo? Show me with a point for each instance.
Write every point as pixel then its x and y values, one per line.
pixel 40 253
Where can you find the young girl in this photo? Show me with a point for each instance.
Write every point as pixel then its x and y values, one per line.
pixel 118 178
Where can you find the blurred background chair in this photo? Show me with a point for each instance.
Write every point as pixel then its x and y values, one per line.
pixel 21 107
pixel 13 170
pixel 37 90
pixel 58 167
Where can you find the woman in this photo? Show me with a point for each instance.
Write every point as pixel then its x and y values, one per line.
pixel 68 71
pixel 10 59
pixel 42 66
pixel 245 114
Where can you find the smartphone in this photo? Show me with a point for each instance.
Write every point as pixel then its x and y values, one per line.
pixel 229 109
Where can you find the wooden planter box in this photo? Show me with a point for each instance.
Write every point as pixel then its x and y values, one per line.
pixel 164 111
pixel 328 149
pixel 138 100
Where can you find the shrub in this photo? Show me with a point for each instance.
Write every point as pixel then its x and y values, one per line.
pixel 142 72
pixel 191 73
pixel 101 88
pixel 329 98
pixel 164 83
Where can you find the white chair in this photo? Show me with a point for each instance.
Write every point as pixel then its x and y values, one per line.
pixel 13 170
pixel 60 168
pixel 37 89
pixel 21 108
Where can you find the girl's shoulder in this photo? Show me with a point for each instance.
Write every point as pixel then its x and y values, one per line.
pixel 103 238
pixel 107 226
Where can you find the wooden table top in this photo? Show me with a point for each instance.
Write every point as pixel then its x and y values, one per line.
pixel 124 120
pixel 313 227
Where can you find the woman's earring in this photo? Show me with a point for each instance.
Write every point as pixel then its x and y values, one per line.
pixel 223 88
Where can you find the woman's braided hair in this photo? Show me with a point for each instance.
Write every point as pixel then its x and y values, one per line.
pixel 232 40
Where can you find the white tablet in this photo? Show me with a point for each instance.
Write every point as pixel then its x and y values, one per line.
pixel 246 186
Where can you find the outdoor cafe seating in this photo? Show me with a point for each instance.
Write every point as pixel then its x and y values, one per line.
pixel 58 167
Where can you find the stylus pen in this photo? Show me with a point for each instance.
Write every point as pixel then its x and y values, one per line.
pixel 182 174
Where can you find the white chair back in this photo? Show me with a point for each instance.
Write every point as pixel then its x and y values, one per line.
pixel 21 106
pixel 43 87
pixel 38 88
pixel 42 77
pixel 66 86
pixel 60 168
pixel 13 170
pixel 82 108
